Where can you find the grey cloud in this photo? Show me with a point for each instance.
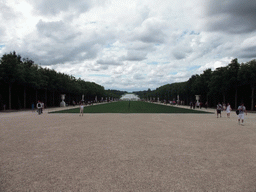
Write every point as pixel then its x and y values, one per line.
pixel 2 32
pixel 56 30
pixel 7 12
pixel 49 7
pixel 108 62
pixel 104 67
pixel 138 76
pixel 248 52
pixel 141 46
pixel 181 51
pixel 47 54
pixel 234 16
pixel 179 54
pixel 151 36
pixel 58 42
pixel 151 31
pixel 133 55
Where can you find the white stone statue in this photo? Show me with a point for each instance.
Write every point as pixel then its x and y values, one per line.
pixel 197 98
pixel 62 103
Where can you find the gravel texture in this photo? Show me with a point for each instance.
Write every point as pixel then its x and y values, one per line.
pixel 126 152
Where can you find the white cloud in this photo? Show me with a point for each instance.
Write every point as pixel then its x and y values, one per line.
pixel 129 45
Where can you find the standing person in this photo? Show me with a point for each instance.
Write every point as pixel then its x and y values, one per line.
pixel 219 108
pixel 224 106
pixel 81 108
pixel 242 110
pixel 197 104
pixel 228 109
pixel 33 107
pixel 39 107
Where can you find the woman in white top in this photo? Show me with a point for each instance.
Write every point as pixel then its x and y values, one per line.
pixel 228 109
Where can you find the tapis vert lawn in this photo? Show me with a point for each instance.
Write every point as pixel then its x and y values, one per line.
pixel 131 107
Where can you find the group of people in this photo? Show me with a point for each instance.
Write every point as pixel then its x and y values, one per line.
pixel 40 107
pixel 197 104
pixel 241 110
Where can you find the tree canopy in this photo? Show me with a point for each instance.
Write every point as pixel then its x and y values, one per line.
pixel 234 83
pixel 29 82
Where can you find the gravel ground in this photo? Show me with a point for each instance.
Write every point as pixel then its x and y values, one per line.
pixel 126 152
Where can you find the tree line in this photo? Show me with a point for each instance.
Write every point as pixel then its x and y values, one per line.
pixel 23 83
pixel 234 83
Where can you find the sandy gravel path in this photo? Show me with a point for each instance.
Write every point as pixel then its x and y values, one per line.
pixel 126 152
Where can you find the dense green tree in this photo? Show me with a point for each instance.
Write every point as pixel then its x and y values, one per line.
pixel 23 79
pixel 218 86
pixel 201 84
pixel 247 75
pixel 231 77
pixel 37 82
pixel 11 71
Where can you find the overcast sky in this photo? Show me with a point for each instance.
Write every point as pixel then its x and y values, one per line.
pixel 129 44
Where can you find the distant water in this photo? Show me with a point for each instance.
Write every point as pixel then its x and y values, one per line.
pixel 130 97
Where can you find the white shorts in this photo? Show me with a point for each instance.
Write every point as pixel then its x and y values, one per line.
pixel 241 116
pixel 228 111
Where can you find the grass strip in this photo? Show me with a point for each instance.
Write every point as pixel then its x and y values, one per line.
pixel 131 107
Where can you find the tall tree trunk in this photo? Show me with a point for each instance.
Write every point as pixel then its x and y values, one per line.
pixel 10 96
pixel 69 100
pixel 252 99
pixel 53 99
pixel 24 97
pixel 45 97
pixel 36 96
pixel 236 99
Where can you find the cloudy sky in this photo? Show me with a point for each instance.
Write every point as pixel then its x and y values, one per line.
pixel 129 44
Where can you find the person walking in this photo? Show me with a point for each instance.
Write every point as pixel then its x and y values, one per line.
pixel 39 107
pixel 228 109
pixel 241 110
pixel 219 108
pixel 81 108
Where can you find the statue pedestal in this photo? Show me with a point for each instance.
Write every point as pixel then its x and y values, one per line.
pixel 62 104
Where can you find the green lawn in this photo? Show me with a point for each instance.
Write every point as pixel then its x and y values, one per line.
pixel 135 107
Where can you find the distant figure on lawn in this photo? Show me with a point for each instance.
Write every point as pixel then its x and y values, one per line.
pixel 242 110
pixel 81 108
pixel 219 108
pixel 228 109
